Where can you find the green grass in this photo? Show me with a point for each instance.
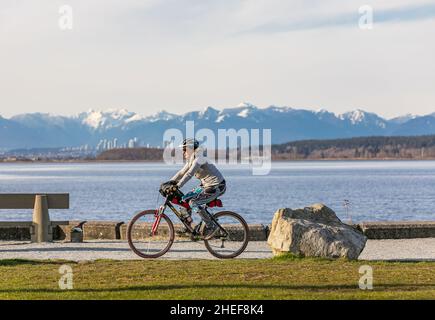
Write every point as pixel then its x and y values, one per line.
pixel 285 277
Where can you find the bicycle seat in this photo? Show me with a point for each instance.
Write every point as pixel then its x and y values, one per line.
pixel 215 203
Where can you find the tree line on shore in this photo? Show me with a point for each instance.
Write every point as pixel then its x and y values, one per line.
pixel 416 147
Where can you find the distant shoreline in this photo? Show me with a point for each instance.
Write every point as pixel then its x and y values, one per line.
pixel 373 148
pixel 161 161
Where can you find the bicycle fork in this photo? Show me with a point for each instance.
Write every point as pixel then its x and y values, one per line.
pixel 158 216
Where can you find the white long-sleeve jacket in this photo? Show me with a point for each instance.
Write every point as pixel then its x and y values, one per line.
pixel 200 167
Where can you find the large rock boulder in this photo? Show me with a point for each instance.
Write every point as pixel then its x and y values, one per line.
pixel 314 231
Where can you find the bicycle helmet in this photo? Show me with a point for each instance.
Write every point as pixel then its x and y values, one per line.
pixel 190 143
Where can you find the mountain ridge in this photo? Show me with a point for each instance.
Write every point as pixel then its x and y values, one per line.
pixel 288 124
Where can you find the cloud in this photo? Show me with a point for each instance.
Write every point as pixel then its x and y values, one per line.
pixel 402 14
pixel 409 13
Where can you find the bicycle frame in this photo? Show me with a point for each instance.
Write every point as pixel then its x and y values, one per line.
pixel 162 209
pixel 168 203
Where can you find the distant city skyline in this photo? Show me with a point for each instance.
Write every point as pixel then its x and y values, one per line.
pixel 184 55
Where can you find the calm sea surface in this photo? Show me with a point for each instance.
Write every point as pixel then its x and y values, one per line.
pixel 377 190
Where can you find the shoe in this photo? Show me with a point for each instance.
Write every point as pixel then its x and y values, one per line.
pixel 195 235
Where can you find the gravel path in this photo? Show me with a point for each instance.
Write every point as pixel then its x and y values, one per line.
pixel 117 250
pixel 401 249
pixel 406 249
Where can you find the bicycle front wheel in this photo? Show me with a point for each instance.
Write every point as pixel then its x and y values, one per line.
pixel 232 237
pixel 150 235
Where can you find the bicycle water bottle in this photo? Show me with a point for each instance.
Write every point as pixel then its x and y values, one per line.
pixel 185 216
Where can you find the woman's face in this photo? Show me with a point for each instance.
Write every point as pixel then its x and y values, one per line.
pixel 187 152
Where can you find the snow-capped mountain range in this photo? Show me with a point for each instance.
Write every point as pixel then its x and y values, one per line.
pixel 39 130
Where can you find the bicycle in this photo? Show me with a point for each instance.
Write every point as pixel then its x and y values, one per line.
pixel 151 233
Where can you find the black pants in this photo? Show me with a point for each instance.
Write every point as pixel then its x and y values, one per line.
pixel 207 195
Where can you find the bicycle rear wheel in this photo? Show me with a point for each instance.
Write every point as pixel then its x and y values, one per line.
pixel 232 238
pixel 150 236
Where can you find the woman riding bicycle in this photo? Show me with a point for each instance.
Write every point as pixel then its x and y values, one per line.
pixel 151 233
pixel 212 182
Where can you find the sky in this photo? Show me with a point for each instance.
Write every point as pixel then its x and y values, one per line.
pixel 184 55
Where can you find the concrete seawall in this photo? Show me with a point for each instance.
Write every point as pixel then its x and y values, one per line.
pixel 398 229
pixel 116 230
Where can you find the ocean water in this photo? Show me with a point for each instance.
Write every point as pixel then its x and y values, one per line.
pixel 377 190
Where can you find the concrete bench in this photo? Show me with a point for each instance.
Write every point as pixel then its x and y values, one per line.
pixel 41 227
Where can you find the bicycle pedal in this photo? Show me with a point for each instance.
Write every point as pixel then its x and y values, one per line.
pixel 196 235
